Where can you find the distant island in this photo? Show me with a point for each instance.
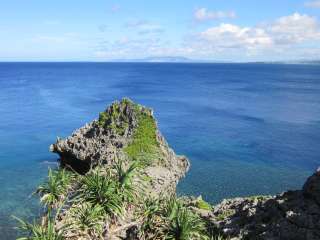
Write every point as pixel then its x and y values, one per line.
pixel 180 59
pixel 168 59
pixel 117 180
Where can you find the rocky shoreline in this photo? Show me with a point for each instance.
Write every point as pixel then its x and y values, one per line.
pixel 124 151
pixel 290 215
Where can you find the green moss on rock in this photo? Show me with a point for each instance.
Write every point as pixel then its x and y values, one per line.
pixel 128 117
pixel 144 145
pixel 201 204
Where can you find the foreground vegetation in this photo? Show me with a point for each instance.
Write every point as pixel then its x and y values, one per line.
pixel 87 207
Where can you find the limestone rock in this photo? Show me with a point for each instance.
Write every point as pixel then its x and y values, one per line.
pixel 312 187
pixel 292 215
pixel 108 139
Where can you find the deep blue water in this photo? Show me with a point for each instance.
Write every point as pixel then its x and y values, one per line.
pixel 247 128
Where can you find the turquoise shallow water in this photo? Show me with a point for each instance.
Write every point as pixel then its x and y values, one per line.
pixel 247 128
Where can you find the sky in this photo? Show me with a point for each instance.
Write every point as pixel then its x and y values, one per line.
pixel 206 30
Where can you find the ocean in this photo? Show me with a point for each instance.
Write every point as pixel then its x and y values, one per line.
pixel 248 129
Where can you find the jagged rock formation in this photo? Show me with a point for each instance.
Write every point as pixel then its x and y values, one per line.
pixel 293 215
pixel 128 132
pixel 124 131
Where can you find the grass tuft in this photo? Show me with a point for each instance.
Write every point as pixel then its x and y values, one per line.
pixel 144 146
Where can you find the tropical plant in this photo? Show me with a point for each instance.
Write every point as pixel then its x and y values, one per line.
pixel 35 231
pixel 87 219
pixel 171 207
pixel 124 177
pixel 102 190
pixel 152 226
pixel 53 191
pixel 185 225
pixel 168 218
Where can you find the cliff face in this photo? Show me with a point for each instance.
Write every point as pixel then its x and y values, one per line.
pixel 126 132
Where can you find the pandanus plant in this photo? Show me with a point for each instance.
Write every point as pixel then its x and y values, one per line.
pixel 125 176
pixel 100 189
pixel 183 224
pixel 169 219
pixel 87 219
pixel 36 231
pixel 53 191
pixel 52 195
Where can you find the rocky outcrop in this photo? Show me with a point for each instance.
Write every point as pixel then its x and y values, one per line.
pixel 124 131
pixel 128 132
pixel 311 188
pixel 291 215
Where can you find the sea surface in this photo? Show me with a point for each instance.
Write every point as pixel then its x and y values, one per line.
pixel 248 129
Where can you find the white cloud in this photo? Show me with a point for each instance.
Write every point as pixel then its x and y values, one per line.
pixel 294 29
pixel 313 4
pixel 232 36
pixel 285 31
pixel 202 14
pixel 289 37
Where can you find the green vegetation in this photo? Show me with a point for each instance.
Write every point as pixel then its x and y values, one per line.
pixel 146 178
pixel 170 219
pixel 185 225
pixel 36 231
pixel 103 194
pixel 87 220
pixel 124 177
pixel 115 117
pixel 92 206
pixel 53 191
pixel 53 194
pixel 203 205
pixel 103 118
pixel 111 188
pixel 144 146
pixel 101 190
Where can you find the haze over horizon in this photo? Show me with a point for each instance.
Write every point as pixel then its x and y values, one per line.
pixel 203 30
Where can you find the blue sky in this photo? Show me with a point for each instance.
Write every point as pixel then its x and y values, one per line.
pixel 103 30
